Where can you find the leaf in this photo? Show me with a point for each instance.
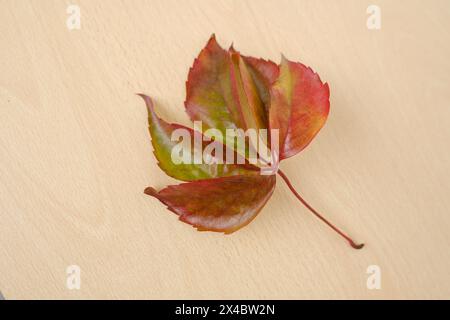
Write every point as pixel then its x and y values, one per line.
pixel 299 106
pixel 223 204
pixel 226 90
pixel 208 90
pixel 264 74
pixel 161 133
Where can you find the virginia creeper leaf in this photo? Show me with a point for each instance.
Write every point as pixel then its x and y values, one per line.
pixel 299 106
pixel 222 204
pixel 208 90
pixel 264 74
pixel 226 90
pixel 161 133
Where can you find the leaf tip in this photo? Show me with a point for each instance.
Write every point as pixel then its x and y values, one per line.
pixel 212 40
pixel 151 191
pixel 284 59
pixel 143 96
pixel 148 102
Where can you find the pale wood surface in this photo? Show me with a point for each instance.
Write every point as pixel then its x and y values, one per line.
pixel 76 156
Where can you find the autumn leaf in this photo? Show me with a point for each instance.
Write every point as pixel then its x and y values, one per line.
pixel 229 91
pixel 161 133
pixel 299 106
pixel 212 204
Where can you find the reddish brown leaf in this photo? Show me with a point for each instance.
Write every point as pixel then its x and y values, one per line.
pixel 222 204
pixel 264 74
pixel 208 90
pixel 226 90
pixel 299 106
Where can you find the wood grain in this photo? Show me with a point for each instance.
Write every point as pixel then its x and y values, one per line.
pixel 76 155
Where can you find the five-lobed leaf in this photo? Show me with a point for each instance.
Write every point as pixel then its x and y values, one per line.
pixel 226 90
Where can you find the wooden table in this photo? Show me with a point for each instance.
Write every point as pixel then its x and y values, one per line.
pixel 76 155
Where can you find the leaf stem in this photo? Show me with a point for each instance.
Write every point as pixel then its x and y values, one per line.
pixel 317 214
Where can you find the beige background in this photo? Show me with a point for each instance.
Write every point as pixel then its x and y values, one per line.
pixel 76 155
